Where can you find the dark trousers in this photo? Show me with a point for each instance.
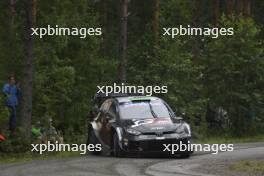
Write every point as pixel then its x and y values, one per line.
pixel 12 118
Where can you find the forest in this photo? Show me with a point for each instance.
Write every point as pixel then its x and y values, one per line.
pixel 217 82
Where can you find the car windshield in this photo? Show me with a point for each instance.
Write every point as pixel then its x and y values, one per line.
pixel 143 110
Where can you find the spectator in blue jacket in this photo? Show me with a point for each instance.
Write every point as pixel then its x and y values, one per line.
pixel 11 92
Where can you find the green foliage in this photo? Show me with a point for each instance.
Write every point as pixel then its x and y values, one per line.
pixel 4 114
pixel 15 144
pixel 68 68
pixel 227 71
pixel 233 72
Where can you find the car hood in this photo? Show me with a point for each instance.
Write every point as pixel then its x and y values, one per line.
pixel 152 125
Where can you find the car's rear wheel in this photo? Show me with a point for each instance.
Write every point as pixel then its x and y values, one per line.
pixel 117 151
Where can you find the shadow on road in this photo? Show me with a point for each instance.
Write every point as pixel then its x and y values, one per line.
pixel 145 156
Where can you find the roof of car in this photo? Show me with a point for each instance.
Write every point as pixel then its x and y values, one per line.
pixel 99 98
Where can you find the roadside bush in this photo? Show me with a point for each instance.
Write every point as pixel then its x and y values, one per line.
pixel 4 114
pixel 15 144
pixel 233 73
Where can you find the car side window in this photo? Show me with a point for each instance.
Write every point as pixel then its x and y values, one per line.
pixel 112 110
pixel 106 105
pixel 104 108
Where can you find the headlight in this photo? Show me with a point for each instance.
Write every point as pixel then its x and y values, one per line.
pixel 180 129
pixel 133 132
pixel 187 129
pixel 183 128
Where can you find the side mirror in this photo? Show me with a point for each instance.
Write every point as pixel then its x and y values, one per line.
pixel 179 117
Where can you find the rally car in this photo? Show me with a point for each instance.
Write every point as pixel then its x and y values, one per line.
pixel 141 124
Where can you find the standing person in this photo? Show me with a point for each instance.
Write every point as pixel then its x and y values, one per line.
pixel 11 92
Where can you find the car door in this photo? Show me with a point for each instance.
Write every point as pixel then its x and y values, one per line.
pixel 104 119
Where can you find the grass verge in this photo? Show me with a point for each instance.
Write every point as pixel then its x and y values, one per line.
pixel 251 167
pixel 228 139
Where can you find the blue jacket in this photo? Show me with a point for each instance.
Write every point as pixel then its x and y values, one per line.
pixel 12 93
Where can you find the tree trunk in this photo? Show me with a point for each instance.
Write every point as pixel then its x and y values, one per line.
pixel 197 12
pixel 239 6
pixel 27 80
pixel 216 13
pixel 123 41
pixel 104 27
pixel 11 15
pixel 196 22
pixel 155 20
pixel 246 8
pixel 9 37
pixel 229 8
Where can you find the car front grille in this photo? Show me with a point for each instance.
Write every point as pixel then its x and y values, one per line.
pixel 155 133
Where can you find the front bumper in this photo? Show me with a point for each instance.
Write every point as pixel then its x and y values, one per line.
pixel 153 143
